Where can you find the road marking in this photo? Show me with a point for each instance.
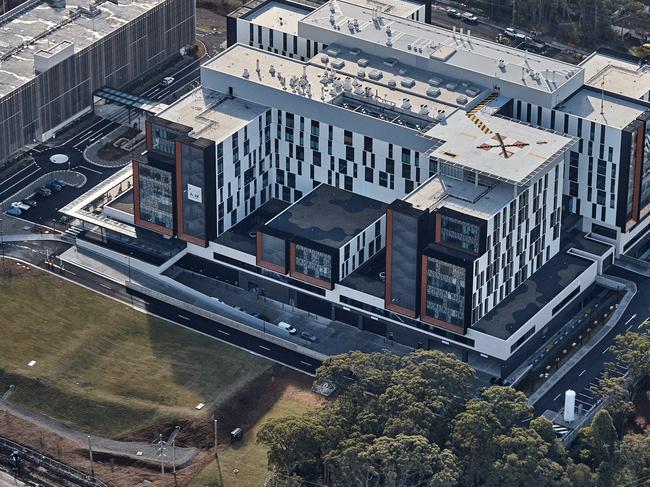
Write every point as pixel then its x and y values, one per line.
pixel 91 170
pixel 70 272
pixel 307 364
pixel 605 351
pixel 634 316
pixel 557 397
pixel 580 374
pixel 105 286
pixel 184 317
pixel 264 348
pixel 629 327
pixel 223 332
pixel 15 184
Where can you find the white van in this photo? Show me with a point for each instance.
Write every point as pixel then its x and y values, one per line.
pixel 287 327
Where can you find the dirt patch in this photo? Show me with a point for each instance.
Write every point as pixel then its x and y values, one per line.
pixel 642 409
pixel 109 152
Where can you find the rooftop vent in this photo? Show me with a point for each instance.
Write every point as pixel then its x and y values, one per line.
pixel 337 63
pixel 333 51
pixel 451 86
pixel 324 59
pixel 375 75
pixel 461 99
pixel 390 62
pixel 355 51
pixel 407 82
pixel 406 104
pixel 391 83
pixel 361 73
pixel 363 62
pixel 433 92
pixel 435 81
pixel 402 72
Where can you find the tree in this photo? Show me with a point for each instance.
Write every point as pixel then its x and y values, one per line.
pixel 599 439
pixel 291 442
pixel 634 459
pixel 614 391
pixel 633 351
pixel 580 475
pixel 475 430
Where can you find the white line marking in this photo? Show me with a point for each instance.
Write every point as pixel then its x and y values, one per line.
pixel 629 327
pixel 91 170
pixel 70 272
pixel 634 316
pixel 264 348
pixel 15 184
pixel 184 317
pixel 580 374
pixel 557 397
pixel 105 286
pixel 223 332
pixel 606 350
pixel 307 364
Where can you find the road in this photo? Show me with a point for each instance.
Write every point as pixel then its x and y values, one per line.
pixel 35 253
pixel 586 372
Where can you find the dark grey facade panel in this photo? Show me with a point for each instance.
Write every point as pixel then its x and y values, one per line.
pixel 66 89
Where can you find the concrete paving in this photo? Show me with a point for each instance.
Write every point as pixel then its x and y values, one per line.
pixel 7 480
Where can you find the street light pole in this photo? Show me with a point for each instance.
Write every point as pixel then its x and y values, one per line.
pixel 90 454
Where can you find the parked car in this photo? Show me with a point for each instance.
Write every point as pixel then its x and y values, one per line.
pixel 470 18
pixel 14 212
pixel 19 204
pixel 60 182
pixel 287 327
pixel 43 191
pixel 308 336
pixel 30 202
pixel 167 81
pixel 454 14
pixel 64 220
pixel 510 32
pixel 54 187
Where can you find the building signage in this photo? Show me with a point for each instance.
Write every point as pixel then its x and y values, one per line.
pixel 194 193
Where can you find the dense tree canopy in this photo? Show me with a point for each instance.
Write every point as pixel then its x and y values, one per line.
pixel 418 421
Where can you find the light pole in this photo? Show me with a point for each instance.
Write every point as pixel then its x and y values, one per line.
pixel 90 454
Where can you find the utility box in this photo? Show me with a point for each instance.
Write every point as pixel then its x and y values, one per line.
pixel 236 435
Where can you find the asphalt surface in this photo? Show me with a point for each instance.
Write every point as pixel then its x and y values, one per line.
pixel 36 252
pixel 585 374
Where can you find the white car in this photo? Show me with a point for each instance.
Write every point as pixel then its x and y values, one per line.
pixel 167 81
pixel 283 325
pixel 20 205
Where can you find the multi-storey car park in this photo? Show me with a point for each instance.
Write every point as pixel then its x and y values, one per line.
pixel 55 54
pixel 401 178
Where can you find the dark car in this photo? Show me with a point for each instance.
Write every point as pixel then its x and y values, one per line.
pixel 454 14
pixel 43 191
pixel 60 182
pixel 65 219
pixel 308 336
pixel 30 202
pixel 54 187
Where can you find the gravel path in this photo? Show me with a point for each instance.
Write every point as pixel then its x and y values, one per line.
pixel 131 449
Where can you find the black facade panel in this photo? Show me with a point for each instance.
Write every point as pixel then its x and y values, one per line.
pixel 314 305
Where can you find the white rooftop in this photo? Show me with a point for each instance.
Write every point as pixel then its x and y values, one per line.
pixel 82 31
pixel 602 108
pixel 211 114
pixel 324 86
pixel 477 145
pixel 426 42
pixel 428 85
pixel 473 199
pixel 278 16
pixel 617 75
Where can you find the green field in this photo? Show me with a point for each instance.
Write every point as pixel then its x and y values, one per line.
pixel 248 457
pixel 104 368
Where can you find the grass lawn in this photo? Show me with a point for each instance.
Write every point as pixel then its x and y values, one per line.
pixel 248 457
pixel 104 368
